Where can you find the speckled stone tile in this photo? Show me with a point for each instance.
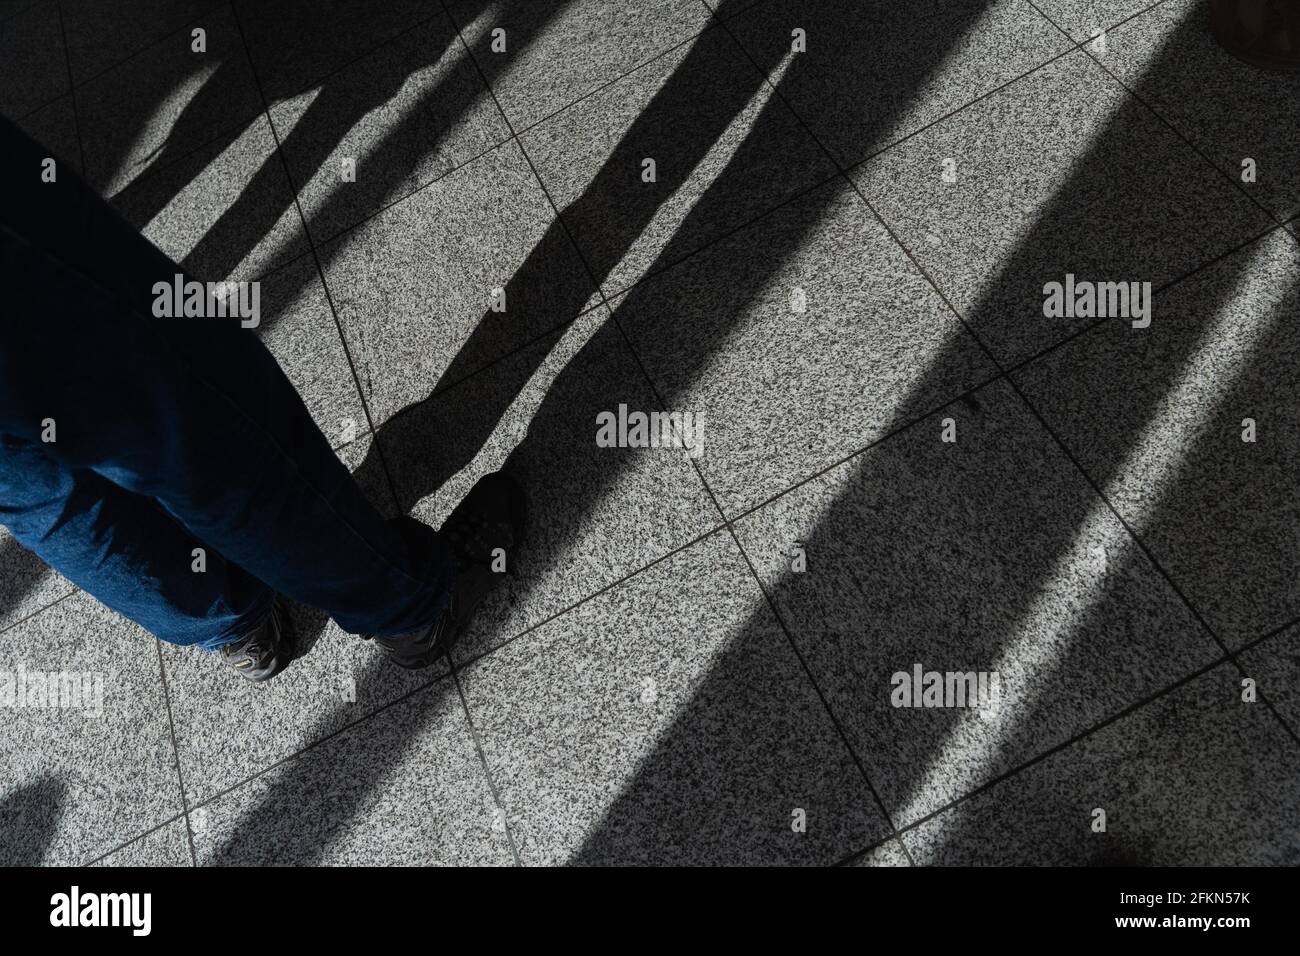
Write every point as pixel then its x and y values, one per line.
pixel 55 127
pixel 725 151
pixel 1088 19
pixel 299 329
pixel 169 845
pixel 889 853
pixel 1194 778
pixel 987 554
pixel 1061 173
pixel 1157 417
pixel 871 75
pixel 685 731
pixel 228 729
pixel 403 116
pixel 405 787
pixel 296 45
pixel 1274 664
pixel 27 583
pixel 414 286
pixel 225 211
pixel 560 50
pixel 101 35
pixel 798 341
pixel 1231 110
pixel 75 781
pixel 33 62
pixel 150 110
pixel 597 514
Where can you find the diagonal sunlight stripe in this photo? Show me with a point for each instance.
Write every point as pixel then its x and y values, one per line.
pixel 148 143
pixel 1208 374
pixel 215 190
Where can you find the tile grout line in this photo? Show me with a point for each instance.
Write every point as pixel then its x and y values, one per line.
pixel 71 94
pixel 136 839
pixel 176 752
pixel 483 761
pixel 43 608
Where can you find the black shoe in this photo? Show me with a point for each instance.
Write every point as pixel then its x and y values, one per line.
pixel 267 650
pixel 491 517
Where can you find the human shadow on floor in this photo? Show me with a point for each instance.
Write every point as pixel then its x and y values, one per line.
pixel 29 817
pixel 309 59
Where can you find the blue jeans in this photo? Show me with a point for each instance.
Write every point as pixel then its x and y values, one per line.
pixel 128 441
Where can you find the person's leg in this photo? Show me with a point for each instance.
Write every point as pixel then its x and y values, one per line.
pixel 108 541
pixel 191 412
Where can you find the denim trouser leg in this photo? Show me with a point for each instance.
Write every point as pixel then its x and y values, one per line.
pixel 168 431
pixel 107 540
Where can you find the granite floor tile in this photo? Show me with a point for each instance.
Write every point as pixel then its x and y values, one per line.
pixel 100 35
pixel 557 51
pixel 55 127
pixel 797 341
pixel 228 729
pixel 27 583
pixel 597 513
pixel 404 115
pixel 1241 116
pixel 1060 174
pixel 1274 664
pixel 725 151
pixel 84 767
pixel 296 45
pixel 225 211
pixel 889 853
pixel 406 787
pixel 155 108
pixel 1159 418
pixel 33 62
pixel 169 845
pixel 686 731
pixel 1087 19
pixel 1227 799
pixel 871 74
pixel 416 286
pixel 988 555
